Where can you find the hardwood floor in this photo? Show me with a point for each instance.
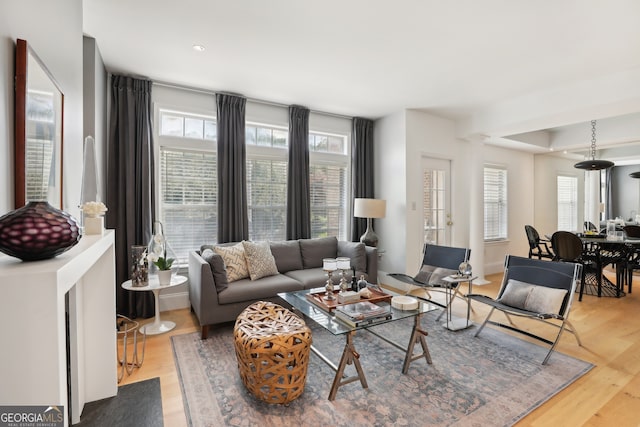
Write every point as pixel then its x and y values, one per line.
pixel 608 395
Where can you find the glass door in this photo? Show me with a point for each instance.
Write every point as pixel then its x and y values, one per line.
pixel 436 203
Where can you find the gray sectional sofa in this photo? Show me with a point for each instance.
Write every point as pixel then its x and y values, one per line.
pixel 299 266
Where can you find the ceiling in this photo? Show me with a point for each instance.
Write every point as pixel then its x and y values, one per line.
pixel 498 67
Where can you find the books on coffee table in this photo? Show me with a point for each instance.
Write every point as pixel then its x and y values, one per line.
pixel 362 313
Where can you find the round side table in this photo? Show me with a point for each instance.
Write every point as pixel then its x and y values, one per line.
pixel 158 326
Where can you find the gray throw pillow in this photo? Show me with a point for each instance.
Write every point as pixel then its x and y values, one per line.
pixel 217 268
pixel 356 252
pixel 432 276
pixel 260 262
pixel 287 255
pixel 315 250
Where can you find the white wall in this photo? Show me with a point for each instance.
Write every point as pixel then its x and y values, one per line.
pixel 401 141
pixel 390 184
pixel 54 31
pixel 547 167
pixel 520 197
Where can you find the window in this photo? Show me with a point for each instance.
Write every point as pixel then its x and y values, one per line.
pixel 495 203
pixel 188 181
pixel 329 184
pixel 266 181
pixel 567 203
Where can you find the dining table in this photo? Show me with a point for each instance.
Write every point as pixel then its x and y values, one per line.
pixel 608 250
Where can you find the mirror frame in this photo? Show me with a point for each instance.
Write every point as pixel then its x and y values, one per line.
pixel 25 58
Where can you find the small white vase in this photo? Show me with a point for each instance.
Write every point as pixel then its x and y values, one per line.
pixel 93 225
pixel 164 277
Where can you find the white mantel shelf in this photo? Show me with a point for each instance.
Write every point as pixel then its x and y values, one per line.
pixel 33 335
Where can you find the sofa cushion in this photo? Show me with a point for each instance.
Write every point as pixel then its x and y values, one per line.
pixel 217 268
pixel 234 261
pixel 313 251
pixel 287 255
pixel 526 296
pixel 260 262
pixel 250 290
pixel 313 277
pixel 356 252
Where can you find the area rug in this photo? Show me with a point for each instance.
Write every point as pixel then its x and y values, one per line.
pixel 136 405
pixel 494 379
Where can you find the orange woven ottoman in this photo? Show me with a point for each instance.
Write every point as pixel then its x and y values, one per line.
pixel 272 348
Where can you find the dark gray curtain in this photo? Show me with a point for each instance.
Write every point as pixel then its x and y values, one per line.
pixel 130 183
pixel 608 194
pixel 233 225
pixel 298 192
pixel 361 169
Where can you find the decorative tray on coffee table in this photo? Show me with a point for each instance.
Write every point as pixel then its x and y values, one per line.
pixel 318 298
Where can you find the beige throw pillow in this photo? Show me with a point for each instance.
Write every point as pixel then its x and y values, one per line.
pixel 260 261
pixel 539 299
pixel 234 261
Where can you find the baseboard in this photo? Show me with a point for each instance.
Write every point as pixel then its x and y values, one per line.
pixel 174 301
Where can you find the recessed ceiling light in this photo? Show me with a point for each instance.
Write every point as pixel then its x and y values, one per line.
pixel 198 48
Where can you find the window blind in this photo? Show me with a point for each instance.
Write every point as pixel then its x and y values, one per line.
pixel 188 199
pixel 495 203
pixel 267 198
pixel 328 200
pixel 567 187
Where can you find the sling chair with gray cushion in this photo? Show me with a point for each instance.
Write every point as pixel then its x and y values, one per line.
pixel 438 262
pixel 538 290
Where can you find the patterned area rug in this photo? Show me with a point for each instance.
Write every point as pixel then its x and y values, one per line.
pixel 494 379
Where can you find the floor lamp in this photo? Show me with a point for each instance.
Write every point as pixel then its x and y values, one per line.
pixel 369 208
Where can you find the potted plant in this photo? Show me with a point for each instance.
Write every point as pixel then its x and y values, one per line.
pixel 158 256
pixel 164 269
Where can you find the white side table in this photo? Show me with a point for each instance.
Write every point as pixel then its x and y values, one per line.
pixel 455 324
pixel 158 326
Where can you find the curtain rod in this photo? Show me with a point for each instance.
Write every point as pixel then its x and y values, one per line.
pixel 258 101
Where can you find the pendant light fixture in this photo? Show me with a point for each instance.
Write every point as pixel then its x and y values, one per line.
pixel 593 164
pixel 635 174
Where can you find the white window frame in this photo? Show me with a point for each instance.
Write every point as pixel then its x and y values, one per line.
pixel 567 201
pixel 339 160
pixel 501 223
pixel 183 143
pixel 259 152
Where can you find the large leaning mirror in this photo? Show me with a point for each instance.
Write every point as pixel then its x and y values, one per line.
pixel 38 131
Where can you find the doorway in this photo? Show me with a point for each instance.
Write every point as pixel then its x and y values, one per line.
pixel 436 203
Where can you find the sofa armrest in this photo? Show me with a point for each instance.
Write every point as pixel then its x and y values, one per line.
pixel 202 288
pixel 372 264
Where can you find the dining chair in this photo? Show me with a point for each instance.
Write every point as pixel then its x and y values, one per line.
pixel 537 246
pixel 589 226
pixel 569 248
pixel 633 256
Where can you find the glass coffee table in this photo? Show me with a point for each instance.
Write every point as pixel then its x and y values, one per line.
pixel 299 301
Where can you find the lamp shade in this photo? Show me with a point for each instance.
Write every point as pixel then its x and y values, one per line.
pixel 369 208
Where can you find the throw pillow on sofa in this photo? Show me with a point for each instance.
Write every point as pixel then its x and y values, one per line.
pixel 217 268
pixel 315 250
pixel 260 261
pixel 234 261
pixel 356 252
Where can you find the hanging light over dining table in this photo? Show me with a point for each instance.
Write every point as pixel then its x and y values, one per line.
pixel 593 164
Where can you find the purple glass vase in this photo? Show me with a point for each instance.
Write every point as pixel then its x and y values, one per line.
pixel 37 231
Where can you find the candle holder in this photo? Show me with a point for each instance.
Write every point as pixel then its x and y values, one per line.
pixel 329 265
pixel 343 264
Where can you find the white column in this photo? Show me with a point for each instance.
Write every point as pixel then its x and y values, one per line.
pixel 476 205
pixel 591 198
